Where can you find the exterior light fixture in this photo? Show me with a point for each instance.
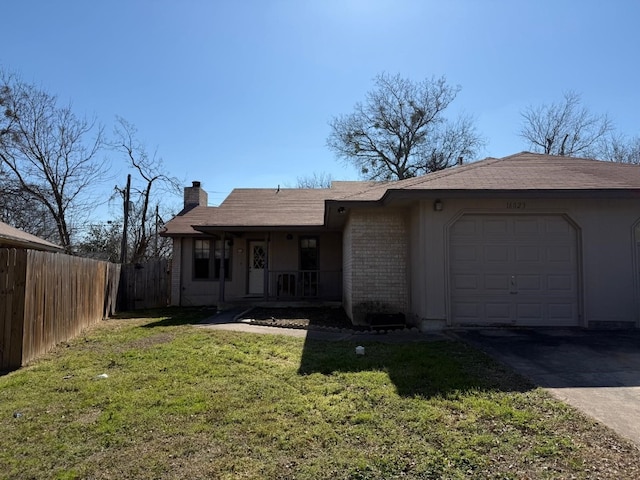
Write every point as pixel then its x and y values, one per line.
pixel 437 205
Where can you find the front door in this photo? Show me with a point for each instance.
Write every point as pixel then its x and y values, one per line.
pixel 257 263
pixel 309 266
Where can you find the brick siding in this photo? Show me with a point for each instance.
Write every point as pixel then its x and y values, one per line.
pixel 375 263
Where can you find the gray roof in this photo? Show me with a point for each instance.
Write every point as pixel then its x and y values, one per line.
pixel 531 172
pixel 12 237
pixel 523 171
pixel 264 207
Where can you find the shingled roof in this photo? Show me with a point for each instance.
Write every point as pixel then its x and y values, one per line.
pixel 264 208
pixel 11 237
pixel 523 171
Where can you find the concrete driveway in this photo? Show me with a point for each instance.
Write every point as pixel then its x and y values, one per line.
pixel 595 371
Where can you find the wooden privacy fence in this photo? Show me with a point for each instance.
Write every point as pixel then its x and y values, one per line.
pixel 47 298
pixel 144 285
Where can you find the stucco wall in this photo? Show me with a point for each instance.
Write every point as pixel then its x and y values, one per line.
pixel 610 271
pixel 608 265
pixel 176 272
pixel 375 263
pixel 418 264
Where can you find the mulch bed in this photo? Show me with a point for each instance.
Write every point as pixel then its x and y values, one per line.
pixel 333 318
pixel 301 317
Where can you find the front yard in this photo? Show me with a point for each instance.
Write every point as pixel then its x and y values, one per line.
pixel 158 398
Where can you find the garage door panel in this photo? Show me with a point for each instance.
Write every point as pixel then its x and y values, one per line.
pixel 496 253
pixel 485 310
pixel 466 282
pixel 561 253
pixel 528 253
pixel 527 226
pixel 561 283
pixel 496 282
pixel 498 312
pixel 495 226
pixel 465 253
pixel 530 311
pixel 513 269
pixel 529 283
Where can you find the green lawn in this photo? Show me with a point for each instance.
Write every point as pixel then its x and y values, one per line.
pixel 187 402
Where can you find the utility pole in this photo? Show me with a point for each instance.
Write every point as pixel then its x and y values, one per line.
pixel 155 241
pixel 123 246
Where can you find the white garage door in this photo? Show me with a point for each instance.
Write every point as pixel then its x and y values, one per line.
pixel 513 270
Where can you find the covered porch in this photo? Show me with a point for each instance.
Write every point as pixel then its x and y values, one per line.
pixel 253 267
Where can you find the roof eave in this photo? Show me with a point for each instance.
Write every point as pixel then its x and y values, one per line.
pixel 391 194
pixel 255 228
pixel 332 207
pixel 21 243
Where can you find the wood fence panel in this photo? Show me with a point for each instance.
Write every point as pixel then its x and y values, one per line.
pixel 6 305
pixel 17 328
pixel 47 298
pixel 6 300
pixel 144 285
pixel 13 266
pixel 111 288
pixel 64 296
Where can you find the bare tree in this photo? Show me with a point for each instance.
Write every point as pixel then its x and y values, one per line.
pixel 19 209
pixel 565 128
pixel 620 149
pixel 150 182
pixel 315 180
pixel 101 242
pixel 400 130
pixel 48 153
pixel 456 140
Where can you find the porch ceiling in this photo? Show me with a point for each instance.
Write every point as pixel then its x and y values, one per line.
pixel 234 229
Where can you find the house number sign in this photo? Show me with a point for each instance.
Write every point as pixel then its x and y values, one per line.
pixel 517 205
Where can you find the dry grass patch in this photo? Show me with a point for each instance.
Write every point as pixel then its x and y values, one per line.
pixel 180 402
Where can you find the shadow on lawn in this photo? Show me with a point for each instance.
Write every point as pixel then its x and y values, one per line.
pixel 417 368
pixel 424 369
pixel 169 316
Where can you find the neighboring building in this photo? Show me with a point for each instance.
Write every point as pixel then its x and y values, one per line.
pixel 11 237
pixel 526 240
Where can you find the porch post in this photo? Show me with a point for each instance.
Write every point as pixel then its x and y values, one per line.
pixel 221 280
pixel 265 287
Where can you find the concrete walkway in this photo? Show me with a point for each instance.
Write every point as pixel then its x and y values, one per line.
pixel 597 372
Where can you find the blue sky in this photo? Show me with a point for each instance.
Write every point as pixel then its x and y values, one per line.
pixel 240 93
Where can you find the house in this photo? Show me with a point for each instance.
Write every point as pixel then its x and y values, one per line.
pixel 11 237
pixel 525 240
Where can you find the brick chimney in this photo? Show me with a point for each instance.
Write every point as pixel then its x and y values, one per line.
pixel 195 196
